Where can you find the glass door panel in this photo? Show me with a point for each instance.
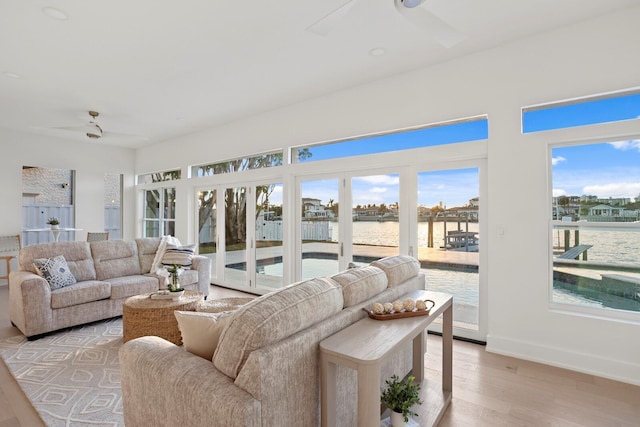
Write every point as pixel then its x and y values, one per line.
pixel 319 228
pixel 207 226
pixel 449 240
pixel 235 236
pixel 268 236
pixel 152 213
pixel 169 214
pixel 375 217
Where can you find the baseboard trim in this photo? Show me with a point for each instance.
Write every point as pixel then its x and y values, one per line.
pixel 471 340
pixel 616 370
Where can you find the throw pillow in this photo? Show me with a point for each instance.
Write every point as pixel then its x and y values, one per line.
pixel 178 255
pixel 201 331
pixel 55 271
pixel 156 265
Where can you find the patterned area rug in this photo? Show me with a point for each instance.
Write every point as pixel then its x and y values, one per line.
pixel 71 377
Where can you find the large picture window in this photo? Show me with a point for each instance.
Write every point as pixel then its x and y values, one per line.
pixel 595 213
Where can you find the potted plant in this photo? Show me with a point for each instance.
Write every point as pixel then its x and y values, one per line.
pixel 53 222
pixel 174 273
pixel 400 396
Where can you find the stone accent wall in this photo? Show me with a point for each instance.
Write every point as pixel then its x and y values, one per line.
pixel 112 189
pixel 48 184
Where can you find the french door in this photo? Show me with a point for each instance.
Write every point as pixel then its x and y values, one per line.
pixel 346 218
pixel 240 228
pixel 449 230
pixel 431 214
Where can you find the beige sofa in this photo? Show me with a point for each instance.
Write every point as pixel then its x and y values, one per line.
pixel 265 369
pixel 107 272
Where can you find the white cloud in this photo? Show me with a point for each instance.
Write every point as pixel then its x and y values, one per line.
pixel 367 199
pixel 378 190
pixel 632 144
pixel 616 189
pixel 379 179
pixel 557 192
pixel 556 160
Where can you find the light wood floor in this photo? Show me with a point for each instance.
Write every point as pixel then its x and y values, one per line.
pixel 488 389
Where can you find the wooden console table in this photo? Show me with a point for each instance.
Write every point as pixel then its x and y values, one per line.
pixel 366 344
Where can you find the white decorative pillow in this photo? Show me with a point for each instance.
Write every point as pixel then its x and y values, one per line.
pixel 178 255
pixel 201 331
pixel 55 271
pixel 157 260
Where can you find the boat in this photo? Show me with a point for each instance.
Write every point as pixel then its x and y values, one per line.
pixel 459 240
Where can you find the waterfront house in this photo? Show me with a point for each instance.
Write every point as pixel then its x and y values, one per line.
pixel 237 81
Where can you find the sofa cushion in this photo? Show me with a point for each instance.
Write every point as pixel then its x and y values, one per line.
pixel 398 268
pixel 274 316
pixel 80 293
pixel 77 255
pixel 128 286
pixel 147 248
pixel 360 284
pixel 201 331
pixel 115 258
pixel 55 271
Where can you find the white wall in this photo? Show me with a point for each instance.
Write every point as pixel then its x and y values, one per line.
pixel 593 57
pixel 90 160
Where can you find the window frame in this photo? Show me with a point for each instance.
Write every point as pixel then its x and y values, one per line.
pixel 574 136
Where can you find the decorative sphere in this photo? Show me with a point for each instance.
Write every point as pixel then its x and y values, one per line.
pixel 421 305
pixel 398 306
pixel 388 307
pixel 378 308
pixel 409 304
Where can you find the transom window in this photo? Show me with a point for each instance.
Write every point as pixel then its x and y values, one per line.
pixel 472 129
pixel 259 161
pixel 587 111
pixel 150 178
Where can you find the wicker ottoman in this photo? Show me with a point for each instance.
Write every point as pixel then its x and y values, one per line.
pixel 223 304
pixel 143 316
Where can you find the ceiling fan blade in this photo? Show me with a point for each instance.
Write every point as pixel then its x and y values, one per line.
pixel 118 135
pixel 324 25
pixel 70 128
pixel 442 32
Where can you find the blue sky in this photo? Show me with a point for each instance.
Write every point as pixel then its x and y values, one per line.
pixel 453 188
pixel 604 170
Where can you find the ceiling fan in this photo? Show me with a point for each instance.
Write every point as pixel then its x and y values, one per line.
pixel 413 11
pixel 94 131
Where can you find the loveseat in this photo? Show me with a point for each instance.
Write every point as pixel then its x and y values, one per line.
pixel 105 274
pixel 265 370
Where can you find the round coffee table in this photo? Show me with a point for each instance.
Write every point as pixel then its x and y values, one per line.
pixel 143 316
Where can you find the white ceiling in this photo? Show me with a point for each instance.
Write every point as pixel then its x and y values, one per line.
pixel 163 68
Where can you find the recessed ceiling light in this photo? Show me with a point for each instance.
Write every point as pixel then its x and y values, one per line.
pixel 54 13
pixel 11 75
pixel 378 51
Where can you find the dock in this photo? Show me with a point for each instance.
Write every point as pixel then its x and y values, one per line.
pixel 575 252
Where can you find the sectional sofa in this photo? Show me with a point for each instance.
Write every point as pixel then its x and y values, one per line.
pixel 105 274
pixel 265 368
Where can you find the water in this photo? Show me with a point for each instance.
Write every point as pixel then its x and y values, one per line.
pixel 613 247
pixel 386 233
pixel 608 246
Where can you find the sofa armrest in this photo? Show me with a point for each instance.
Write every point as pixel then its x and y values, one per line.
pixel 29 302
pixel 162 384
pixel 203 265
